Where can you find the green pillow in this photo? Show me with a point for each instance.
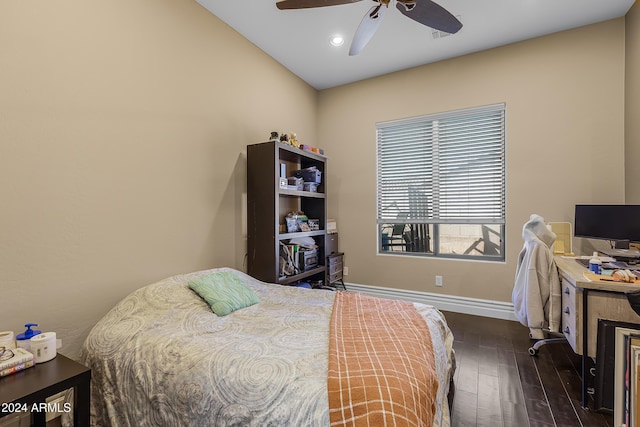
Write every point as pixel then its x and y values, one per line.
pixel 224 291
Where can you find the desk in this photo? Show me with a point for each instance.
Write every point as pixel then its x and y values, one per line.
pixel 583 303
pixel 34 385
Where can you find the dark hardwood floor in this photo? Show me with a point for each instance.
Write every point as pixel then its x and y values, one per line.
pixel 497 382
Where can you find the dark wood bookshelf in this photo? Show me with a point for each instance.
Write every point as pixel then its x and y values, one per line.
pixel 268 204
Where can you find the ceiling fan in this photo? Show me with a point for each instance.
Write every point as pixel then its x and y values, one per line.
pixel 425 12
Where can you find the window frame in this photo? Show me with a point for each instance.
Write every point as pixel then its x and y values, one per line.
pixel 433 221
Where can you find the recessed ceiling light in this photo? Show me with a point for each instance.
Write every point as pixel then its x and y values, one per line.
pixel 336 40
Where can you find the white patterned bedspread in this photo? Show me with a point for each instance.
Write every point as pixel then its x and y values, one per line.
pixel 161 357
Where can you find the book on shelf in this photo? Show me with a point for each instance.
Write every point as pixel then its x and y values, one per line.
pixel 21 359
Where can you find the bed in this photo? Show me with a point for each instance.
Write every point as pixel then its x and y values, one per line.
pixel 161 357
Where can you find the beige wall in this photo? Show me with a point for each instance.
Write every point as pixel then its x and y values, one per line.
pixel 564 95
pixel 123 127
pixel 632 105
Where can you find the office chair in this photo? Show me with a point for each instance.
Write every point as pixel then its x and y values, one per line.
pixel 536 293
pixel 533 350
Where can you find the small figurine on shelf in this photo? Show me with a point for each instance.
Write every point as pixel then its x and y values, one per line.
pixel 284 138
pixel 293 140
pixel 274 136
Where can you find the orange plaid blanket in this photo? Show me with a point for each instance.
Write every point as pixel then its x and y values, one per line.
pixel 381 363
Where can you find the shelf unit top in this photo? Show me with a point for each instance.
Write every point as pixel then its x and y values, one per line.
pixel 300 152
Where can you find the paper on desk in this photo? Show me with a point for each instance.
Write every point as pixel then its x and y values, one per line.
pixel 604 278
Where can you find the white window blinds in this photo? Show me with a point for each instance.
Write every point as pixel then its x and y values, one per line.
pixel 443 168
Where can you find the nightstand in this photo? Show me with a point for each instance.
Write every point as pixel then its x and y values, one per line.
pixel 34 385
pixel 334 273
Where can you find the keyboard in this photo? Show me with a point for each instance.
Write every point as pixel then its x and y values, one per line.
pixel 612 265
pixel 583 262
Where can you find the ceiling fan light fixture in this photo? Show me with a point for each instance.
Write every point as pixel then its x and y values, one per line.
pixel 336 40
pixel 425 12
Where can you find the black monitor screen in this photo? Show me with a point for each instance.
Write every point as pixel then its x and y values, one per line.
pixel 610 222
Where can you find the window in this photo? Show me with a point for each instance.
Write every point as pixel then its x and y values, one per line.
pixel 441 184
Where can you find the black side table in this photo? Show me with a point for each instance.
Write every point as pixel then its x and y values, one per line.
pixel 36 384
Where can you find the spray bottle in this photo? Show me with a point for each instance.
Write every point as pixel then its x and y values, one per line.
pixel 595 265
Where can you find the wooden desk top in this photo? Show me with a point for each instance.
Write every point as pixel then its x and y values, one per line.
pixel 574 272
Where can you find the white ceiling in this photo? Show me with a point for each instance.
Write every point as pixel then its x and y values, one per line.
pixel 299 39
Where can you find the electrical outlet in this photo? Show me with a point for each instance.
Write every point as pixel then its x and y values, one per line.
pixel 345 271
pixel 438 280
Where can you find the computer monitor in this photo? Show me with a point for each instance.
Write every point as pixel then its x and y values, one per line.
pixel 609 222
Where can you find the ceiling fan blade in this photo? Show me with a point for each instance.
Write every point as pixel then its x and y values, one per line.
pixel 304 4
pixel 367 29
pixel 430 14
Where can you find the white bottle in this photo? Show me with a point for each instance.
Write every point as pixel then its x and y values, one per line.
pixel 595 265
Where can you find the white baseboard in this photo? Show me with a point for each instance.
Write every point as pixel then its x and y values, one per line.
pixel 456 304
